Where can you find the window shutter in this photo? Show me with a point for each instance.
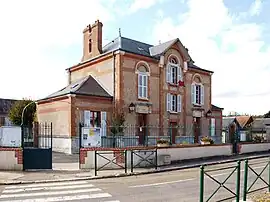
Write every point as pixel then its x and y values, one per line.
pixel 179 73
pixel 139 86
pixel 168 75
pixel 146 86
pixel 103 123
pixel 168 102
pixel 193 94
pixel 87 118
pixel 202 95
pixel 179 103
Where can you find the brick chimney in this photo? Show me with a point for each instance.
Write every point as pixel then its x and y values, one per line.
pixel 92 40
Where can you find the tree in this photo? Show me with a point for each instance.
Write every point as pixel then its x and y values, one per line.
pixel 267 115
pixel 15 113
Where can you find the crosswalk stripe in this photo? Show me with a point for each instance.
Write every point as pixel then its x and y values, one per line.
pixel 47 184
pixel 49 193
pixel 65 198
pixel 48 188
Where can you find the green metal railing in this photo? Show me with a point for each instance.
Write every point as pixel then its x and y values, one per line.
pixel 248 166
pixel 103 155
pixel 235 194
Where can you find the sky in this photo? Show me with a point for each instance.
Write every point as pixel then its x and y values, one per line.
pixel 40 39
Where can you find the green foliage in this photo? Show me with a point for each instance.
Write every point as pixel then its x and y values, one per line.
pixel 267 115
pixel 207 139
pixel 15 113
pixel 117 124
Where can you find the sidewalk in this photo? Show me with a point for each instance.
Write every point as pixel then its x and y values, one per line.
pixel 12 177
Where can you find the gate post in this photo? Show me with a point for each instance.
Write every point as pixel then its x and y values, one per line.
pixel 22 136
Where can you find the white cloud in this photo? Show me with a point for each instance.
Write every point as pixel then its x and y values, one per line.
pixel 255 8
pixel 233 50
pixel 28 29
pixel 142 4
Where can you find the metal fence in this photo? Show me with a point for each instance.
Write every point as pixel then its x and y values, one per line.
pixel 233 179
pixel 132 135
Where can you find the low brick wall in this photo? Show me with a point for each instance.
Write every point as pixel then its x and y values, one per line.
pixel 11 159
pixel 249 147
pixel 175 153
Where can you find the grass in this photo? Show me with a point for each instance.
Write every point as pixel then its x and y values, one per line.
pixel 262 197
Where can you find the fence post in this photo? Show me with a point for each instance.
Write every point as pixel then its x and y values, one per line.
pixel 238 181
pixel 245 180
pixel 201 183
pixel 22 136
pixel 156 159
pixel 51 135
pixel 126 159
pixel 131 161
pixel 269 175
pixel 95 162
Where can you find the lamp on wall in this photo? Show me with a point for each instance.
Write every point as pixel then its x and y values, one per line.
pixel 208 113
pixel 131 107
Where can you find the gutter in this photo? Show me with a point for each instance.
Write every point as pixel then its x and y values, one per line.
pixel 114 78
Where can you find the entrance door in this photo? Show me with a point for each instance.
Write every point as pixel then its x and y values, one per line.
pixel 142 123
pixel 196 129
pixel 173 126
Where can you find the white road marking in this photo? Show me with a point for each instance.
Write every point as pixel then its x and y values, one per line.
pixel 48 188
pixel 162 183
pixel 185 180
pixel 47 184
pixel 49 193
pixel 112 201
pixel 65 198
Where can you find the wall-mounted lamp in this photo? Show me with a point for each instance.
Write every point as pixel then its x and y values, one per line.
pixel 208 113
pixel 131 107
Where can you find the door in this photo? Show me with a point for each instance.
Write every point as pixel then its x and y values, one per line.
pixel 197 129
pixel 142 123
pixel 173 128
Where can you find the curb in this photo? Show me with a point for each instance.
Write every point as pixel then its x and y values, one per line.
pixel 134 173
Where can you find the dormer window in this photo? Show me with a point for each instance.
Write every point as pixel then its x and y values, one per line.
pixel 174 71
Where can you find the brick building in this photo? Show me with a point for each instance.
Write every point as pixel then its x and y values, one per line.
pixel 161 82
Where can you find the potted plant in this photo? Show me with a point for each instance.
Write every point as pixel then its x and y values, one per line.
pixel 206 140
pixel 258 139
pixel 162 143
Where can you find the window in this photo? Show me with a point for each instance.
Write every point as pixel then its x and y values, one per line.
pixel 174 71
pixel 92 119
pixel 174 103
pixel 90 46
pixel 197 94
pixel 143 74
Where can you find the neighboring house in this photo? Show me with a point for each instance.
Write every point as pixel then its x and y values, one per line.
pixel 161 83
pixel 243 125
pixel 5 106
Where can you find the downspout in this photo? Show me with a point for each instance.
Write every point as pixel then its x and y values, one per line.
pixel 114 70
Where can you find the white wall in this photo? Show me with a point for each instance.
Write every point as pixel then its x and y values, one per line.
pixel 254 147
pixel 10 136
pixel 9 161
pixel 175 154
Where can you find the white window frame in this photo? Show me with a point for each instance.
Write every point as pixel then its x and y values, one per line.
pixel 178 73
pixel 143 88
pixel 174 103
pixel 197 98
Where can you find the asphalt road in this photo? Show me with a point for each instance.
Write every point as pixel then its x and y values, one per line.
pixel 176 186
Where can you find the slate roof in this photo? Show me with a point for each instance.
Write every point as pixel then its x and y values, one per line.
pixel 216 108
pixel 140 48
pixel 5 105
pixel 226 121
pixel 85 86
pixel 260 123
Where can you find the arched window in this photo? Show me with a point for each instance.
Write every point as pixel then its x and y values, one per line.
pixel 174 70
pixel 143 72
pixel 197 91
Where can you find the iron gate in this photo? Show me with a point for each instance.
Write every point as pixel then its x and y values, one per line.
pixel 37 146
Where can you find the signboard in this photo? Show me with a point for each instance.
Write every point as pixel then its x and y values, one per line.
pixel 91 137
pixel 143 109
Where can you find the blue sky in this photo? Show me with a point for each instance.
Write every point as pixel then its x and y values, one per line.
pixel 40 39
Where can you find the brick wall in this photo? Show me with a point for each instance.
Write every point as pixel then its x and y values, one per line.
pixel 11 159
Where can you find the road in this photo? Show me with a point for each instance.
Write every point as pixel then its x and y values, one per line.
pixel 176 186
